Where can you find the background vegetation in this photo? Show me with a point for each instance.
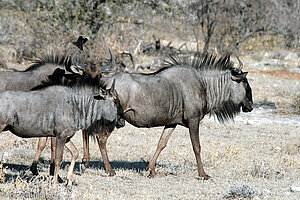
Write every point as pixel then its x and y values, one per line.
pixel 29 28
pixel 257 157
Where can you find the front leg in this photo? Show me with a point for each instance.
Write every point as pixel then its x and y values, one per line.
pixel 102 140
pixel 86 152
pixel 53 150
pixel 60 143
pixel 194 135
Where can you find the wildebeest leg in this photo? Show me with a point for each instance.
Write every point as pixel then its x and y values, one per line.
pixel 102 140
pixel 60 143
pixel 41 145
pixel 86 152
pixel 162 143
pixel 194 135
pixel 75 153
pixel 53 149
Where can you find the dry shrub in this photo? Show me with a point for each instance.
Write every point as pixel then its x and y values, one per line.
pixel 241 191
pixel 264 170
pixel 37 187
pixel 223 155
pixel 286 108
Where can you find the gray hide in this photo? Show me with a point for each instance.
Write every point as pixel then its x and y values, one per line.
pixel 59 111
pixel 53 110
pixel 175 94
pixel 34 75
pixel 183 94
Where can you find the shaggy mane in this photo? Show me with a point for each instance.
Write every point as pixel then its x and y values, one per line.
pixel 59 77
pixel 218 93
pixel 50 58
pixel 202 62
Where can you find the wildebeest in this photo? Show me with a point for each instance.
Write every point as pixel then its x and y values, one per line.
pixel 63 61
pixel 60 110
pixel 34 74
pixel 30 78
pixel 182 93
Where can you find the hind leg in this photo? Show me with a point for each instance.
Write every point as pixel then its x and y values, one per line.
pixel 168 130
pixel 41 145
pixel 74 151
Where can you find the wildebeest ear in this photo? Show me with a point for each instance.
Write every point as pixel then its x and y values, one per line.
pixel 99 97
pixel 59 72
pixel 239 77
pixel 56 75
pixel 80 42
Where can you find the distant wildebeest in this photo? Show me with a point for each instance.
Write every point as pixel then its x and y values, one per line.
pixel 182 93
pixel 58 110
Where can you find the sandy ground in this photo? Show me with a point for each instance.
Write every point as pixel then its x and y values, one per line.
pixel 257 156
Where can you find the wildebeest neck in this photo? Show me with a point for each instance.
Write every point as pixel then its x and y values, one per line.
pixel 218 86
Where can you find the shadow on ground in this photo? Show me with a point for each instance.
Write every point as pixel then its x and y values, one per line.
pixel 21 170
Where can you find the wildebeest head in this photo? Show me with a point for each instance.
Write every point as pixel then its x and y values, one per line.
pixel 112 96
pixel 242 89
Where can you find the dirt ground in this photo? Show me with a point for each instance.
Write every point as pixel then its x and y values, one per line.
pixel 257 156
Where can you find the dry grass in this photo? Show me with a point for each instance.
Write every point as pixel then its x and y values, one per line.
pixel 257 157
pixel 245 159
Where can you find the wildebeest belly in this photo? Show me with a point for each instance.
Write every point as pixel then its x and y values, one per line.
pixel 152 117
pixel 29 132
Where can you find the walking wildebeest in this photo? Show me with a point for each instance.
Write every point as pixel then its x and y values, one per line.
pixel 182 93
pixel 60 110
pixel 30 78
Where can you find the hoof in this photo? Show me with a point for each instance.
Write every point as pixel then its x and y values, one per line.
pixel 82 168
pixel 152 172
pixel 111 173
pixel 69 187
pixel 34 170
pixel 60 180
pixel 151 175
pixel 51 171
pixel 204 177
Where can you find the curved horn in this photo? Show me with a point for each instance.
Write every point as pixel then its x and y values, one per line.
pixel 73 60
pixel 132 60
pixel 240 63
pixel 112 59
pixel 112 88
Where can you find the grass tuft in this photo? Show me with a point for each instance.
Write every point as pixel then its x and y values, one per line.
pixel 240 191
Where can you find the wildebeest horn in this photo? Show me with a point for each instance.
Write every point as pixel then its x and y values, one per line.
pixel 240 63
pixel 73 60
pixel 112 88
pixel 112 59
pixel 132 60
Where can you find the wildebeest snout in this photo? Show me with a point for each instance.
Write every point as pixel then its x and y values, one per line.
pixel 120 123
pixel 247 107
